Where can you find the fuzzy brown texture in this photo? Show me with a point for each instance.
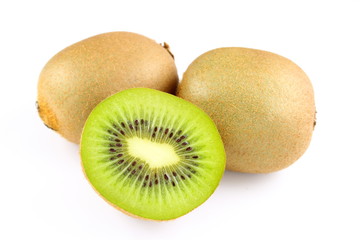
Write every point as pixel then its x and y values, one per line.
pixel 262 103
pixel 47 115
pixel 76 79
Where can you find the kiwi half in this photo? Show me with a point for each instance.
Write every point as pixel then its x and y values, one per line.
pixel 80 76
pixel 151 154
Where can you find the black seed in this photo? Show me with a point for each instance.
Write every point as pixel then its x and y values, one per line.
pixel 112 150
pixel 189 175
pixel 109 131
pixel 119 145
pixel 117 140
pixel 182 177
pixel 153 135
pixel 128 169
pixel 140 167
pixel 133 164
pixel 115 134
pixel 173 183
pixel 112 158
pixel 161 129
pixel 147 177
pixel 155 129
pixel 144 185
pixel 179 132
pixel 121 161
pixel 166 177
pixel 171 134
pixel 188 149
pixel 133 172
pixel 150 184
pixel 195 157
pixel 111 145
pixel 142 121
pixel 156 181
pixel 178 140
pixel 174 173
pixel 184 143
pixel 131 126
pixel 136 122
pixel 166 131
pixel 119 155
pixel 122 132
pixel 123 124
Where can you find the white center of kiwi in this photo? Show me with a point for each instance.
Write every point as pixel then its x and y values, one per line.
pixel 154 153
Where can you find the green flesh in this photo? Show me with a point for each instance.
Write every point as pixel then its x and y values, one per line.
pixel 152 154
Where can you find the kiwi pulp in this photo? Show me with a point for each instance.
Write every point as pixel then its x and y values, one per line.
pixel 151 154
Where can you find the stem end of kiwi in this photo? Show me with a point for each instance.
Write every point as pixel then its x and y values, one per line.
pixel 167 48
pixel 48 116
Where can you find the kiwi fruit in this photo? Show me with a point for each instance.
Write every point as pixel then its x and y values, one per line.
pixel 151 154
pixel 262 103
pixel 76 79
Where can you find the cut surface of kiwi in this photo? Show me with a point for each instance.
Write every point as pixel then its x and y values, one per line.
pixel 152 154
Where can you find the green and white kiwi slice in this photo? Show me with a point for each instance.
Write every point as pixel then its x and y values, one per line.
pixel 152 154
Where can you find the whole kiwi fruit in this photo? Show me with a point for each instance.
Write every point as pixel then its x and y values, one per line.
pixel 150 154
pixel 76 79
pixel 262 103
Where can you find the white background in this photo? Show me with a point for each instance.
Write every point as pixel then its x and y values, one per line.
pixel 44 194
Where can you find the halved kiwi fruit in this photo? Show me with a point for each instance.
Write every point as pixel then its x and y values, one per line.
pixel 152 154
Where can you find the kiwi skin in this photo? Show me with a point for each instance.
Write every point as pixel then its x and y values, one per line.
pixel 76 79
pixel 262 103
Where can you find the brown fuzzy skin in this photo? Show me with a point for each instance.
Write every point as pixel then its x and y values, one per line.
pixel 76 79
pixel 262 103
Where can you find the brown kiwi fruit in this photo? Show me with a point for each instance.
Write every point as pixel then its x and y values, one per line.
pixel 262 103
pixel 76 79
